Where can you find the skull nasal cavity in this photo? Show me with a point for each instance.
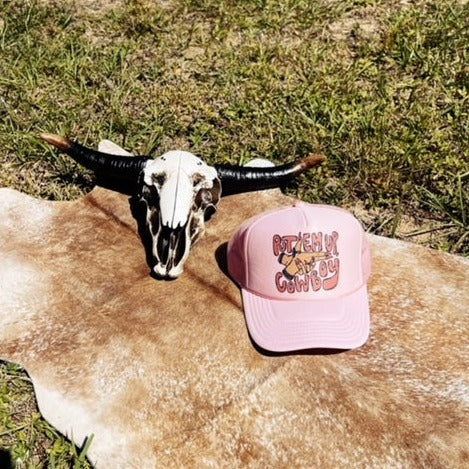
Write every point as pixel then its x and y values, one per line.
pixel 180 247
pixel 154 222
pixel 171 241
pixel 163 244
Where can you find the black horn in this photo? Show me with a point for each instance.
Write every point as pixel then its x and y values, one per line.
pixel 120 167
pixel 238 179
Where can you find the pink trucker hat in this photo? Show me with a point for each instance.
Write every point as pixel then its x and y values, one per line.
pixel 303 272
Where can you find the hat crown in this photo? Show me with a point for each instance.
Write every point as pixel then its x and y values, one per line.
pixel 304 252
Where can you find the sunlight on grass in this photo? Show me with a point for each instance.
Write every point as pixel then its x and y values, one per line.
pixel 382 88
pixel 31 440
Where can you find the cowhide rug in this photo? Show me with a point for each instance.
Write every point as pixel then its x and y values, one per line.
pixel 163 374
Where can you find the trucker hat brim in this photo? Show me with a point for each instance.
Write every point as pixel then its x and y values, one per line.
pixel 287 325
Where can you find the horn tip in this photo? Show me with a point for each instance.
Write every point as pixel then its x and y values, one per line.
pixel 61 143
pixel 311 160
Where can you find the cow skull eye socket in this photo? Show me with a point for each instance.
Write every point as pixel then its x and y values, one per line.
pixel 206 196
pixel 149 193
pixel 197 179
pixel 159 178
pixel 204 201
pixel 203 198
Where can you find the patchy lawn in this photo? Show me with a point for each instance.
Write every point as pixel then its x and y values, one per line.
pixel 381 87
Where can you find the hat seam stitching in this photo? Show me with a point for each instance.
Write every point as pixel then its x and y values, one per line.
pixel 351 292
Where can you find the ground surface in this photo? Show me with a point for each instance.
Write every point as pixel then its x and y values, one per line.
pixel 380 87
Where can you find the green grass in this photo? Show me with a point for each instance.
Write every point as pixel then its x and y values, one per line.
pixel 381 87
pixel 381 90
pixel 30 440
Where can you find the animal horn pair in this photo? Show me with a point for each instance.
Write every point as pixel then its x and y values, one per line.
pixel 234 179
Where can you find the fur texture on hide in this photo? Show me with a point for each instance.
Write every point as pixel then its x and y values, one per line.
pixel 164 373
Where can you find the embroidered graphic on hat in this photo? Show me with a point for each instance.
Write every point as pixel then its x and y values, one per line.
pixel 303 272
pixel 306 265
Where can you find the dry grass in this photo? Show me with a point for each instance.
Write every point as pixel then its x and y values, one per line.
pixel 381 87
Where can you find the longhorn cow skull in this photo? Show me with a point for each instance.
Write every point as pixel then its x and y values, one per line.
pixel 180 192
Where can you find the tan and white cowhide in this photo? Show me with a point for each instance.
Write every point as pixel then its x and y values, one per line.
pixel 163 374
